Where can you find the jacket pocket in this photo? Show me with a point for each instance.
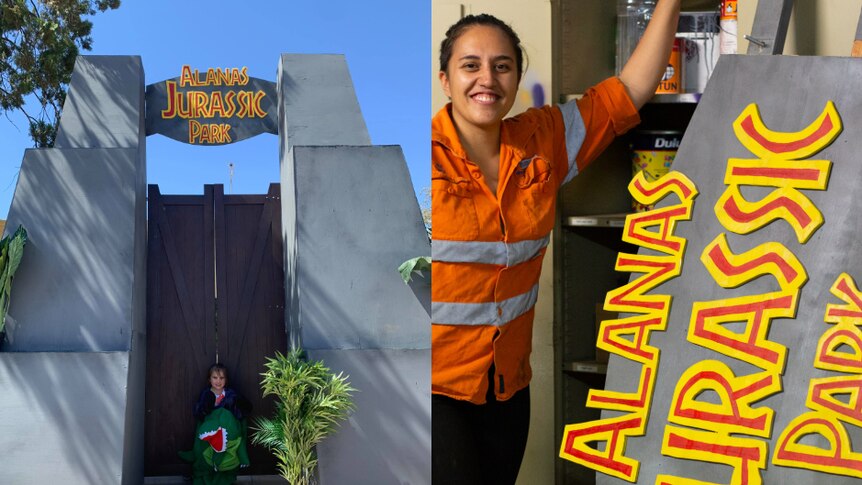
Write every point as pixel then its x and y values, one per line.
pixel 538 194
pixel 453 211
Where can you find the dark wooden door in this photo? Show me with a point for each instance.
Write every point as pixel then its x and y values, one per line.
pixel 215 291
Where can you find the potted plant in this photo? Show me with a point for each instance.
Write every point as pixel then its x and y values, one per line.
pixel 311 401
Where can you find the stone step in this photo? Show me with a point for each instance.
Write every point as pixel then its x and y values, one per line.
pixel 242 479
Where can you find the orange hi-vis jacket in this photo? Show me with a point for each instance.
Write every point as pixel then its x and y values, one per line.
pixel 487 251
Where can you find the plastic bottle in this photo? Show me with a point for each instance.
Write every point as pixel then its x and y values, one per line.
pixel 632 19
pixel 728 23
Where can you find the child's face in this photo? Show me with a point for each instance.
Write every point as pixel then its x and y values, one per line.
pixel 217 380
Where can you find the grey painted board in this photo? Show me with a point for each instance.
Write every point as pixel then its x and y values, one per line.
pixel 317 102
pixel 104 106
pixel 790 92
pixel 64 418
pixel 81 282
pixel 356 220
pixel 387 440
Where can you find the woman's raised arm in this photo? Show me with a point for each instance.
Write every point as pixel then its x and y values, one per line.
pixel 648 62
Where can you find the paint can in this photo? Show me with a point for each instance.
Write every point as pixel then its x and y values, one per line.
pixel 653 153
pixel 671 82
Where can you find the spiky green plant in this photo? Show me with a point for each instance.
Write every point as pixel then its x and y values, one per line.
pixel 11 252
pixel 415 265
pixel 311 401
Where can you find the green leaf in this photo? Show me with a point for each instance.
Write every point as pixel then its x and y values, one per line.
pixel 11 253
pixel 415 265
pixel 311 401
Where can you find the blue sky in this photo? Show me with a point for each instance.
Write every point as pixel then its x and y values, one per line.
pixel 386 43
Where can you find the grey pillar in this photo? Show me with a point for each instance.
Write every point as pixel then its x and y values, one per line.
pixel 350 218
pixel 81 287
pixel 317 103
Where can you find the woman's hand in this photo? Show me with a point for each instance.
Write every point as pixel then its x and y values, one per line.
pixel 648 62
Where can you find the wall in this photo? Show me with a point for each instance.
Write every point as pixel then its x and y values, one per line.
pixel 817 27
pixel 63 417
pixel 350 218
pixel 76 324
pixel 531 19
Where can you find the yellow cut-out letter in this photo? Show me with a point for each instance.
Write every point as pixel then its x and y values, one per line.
pixel 839 458
pixel 730 270
pixel 639 327
pixel 630 298
pixel 746 456
pixel 648 193
pixel 756 312
pixel 613 432
pixel 846 290
pixel 765 143
pixel 733 413
pixel 639 400
pixel 830 349
pixel 823 392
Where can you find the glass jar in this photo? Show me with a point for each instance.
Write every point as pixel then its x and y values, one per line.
pixel 632 19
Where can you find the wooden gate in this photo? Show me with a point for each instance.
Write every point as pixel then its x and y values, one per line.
pixel 215 290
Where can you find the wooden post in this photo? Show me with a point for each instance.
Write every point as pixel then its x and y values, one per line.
pixel 769 30
pixel 857 42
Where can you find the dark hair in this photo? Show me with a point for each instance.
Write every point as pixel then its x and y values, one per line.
pixel 462 25
pixel 220 368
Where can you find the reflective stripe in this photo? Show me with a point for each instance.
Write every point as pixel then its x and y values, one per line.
pixel 508 254
pixel 497 314
pixel 575 134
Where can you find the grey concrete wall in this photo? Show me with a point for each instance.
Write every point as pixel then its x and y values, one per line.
pixel 63 417
pixel 82 284
pixel 317 103
pixel 388 438
pixel 356 219
pixel 104 105
pixel 75 288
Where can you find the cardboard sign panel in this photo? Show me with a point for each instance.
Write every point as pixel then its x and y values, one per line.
pixel 737 354
pixel 212 107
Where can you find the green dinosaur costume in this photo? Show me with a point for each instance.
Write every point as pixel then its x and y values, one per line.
pixel 219 450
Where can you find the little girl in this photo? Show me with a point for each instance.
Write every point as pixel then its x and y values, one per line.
pixel 221 432
pixel 219 395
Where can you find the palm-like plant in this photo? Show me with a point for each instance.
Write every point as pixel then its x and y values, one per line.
pixel 311 401
pixel 11 252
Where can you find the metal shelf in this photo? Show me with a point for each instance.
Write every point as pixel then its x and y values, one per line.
pixel 586 367
pixel 683 98
pixel 600 220
pixel 676 98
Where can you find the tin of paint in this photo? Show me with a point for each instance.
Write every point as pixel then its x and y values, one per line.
pixel 653 153
pixel 671 82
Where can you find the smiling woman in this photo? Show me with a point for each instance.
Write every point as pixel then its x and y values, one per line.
pixel 494 185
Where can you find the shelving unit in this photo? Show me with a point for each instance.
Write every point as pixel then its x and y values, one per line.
pixel 591 212
pixel 586 367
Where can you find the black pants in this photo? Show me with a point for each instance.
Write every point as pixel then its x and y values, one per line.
pixel 478 444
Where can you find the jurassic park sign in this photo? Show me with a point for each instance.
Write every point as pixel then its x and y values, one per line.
pixel 215 106
pixel 737 353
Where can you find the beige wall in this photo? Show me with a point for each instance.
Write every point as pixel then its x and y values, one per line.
pixel 531 19
pixel 817 27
